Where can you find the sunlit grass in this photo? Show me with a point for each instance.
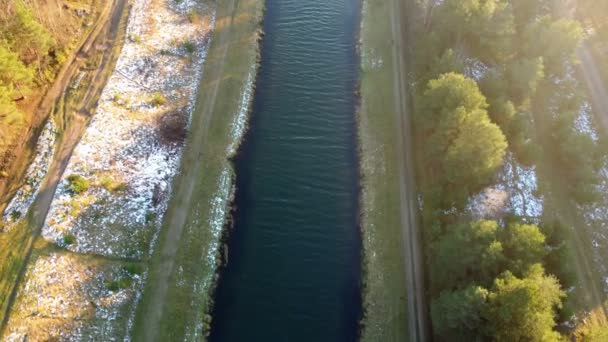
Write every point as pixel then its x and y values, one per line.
pixel 384 294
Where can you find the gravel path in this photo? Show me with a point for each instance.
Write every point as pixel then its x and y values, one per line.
pixel 412 252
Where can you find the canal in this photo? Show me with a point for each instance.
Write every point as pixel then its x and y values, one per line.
pixel 294 256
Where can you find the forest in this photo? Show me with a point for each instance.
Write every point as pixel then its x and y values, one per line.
pixel 490 79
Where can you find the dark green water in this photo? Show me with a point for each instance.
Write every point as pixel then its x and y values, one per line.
pixel 294 256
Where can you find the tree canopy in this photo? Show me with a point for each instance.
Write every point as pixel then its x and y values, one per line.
pixel 27 37
pixel 524 245
pixel 523 309
pixel 464 147
pixel 459 315
pixel 469 251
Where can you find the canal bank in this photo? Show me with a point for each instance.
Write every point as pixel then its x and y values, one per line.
pixel 293 271
pixel 182 271
pixel 389 315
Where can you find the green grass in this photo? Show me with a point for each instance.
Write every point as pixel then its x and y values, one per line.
pixel 158 99
pixel 69 239
pixel 191 283
pixel 189 47
pixel 78 184
pixel 384 295
pixel 111 184
pixel 13 245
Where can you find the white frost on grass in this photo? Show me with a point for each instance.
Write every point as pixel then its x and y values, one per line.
pixel 158 72
pixel 239 125
pixel 68 298
pixel 515 192
pixel 23 199
pixel 220 205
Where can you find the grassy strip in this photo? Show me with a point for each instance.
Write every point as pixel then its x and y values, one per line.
pixel 202 189
pixel 13 251
pixel 384 296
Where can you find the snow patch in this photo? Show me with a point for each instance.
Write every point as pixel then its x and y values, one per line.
pixel 23 199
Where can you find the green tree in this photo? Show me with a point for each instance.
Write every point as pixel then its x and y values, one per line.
pixel 14 76
pixel 524 76
pixel 524 309
pixel 12 70
pixel 485 26
pixel 7 105
pixel 463 148
pixel 29 39
pixel 525 11
pixel 475 153
pixel 576 158
pixel 10 116
pixel 524 245
pixel 459 315
pixel 468 252
pixel 554 40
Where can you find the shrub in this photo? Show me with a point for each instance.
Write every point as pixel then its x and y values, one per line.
pixel 78 184
pixel 118 284
pixel 133 269
pixel 158 99
pixel 69 239
pixel 193 16
pixel 173 126
pixel 135 38
pixel 112 185
pixel 15 215
pixel 189 46
pixel 150 216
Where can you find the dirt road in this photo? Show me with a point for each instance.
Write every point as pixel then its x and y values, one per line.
pixel 417 325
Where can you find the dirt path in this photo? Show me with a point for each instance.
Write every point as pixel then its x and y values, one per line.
pixel 190 169
pixel 417 326
pixel 107 30
pixel 595 84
